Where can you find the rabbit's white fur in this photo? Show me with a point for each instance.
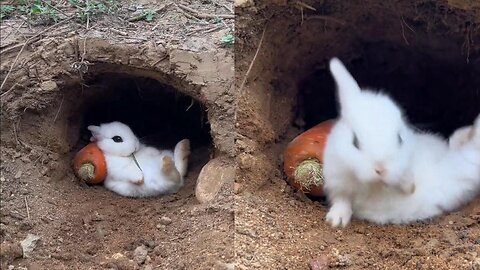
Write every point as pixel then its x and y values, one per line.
pixel 161 172
pixel 397 175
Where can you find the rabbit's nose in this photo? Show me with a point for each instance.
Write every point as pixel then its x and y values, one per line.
pixel 380 169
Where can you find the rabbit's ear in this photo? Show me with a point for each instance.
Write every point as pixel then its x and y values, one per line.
pixel 347 87
pixel 95 132
pixel 94 129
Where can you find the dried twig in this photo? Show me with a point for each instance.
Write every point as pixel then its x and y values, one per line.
pixel 303 5
pixel 408 26
pixel 8 91
pixel 253 60
pixel 403 33
pixel 205 15
pixel 26 206
pixel 25 44
pixel 59 109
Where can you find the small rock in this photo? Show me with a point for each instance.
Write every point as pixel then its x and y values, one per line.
pixel 320 263
pixel 11 267
pixel 18 175
pixel 212 177
pixel 48 86
pixel 148 267
pixel 117 256
pixel 165 220
pixel 29 244
pixel 140 254
pixel 119 261
pixel 2 179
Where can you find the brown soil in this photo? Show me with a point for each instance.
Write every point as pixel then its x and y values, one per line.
pixel 426 54
pixel 168 79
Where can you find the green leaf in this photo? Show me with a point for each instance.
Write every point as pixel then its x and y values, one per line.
pixel 228 39
pixel 5 11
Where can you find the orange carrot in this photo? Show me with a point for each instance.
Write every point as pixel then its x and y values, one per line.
pixel 90 165
pixel 303 158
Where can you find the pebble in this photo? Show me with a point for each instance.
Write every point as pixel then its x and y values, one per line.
pixel 48 86
pixel 165 220
pixel 18 174
pixel 213 175
pixel 121 262
pixel 29 244
pixel 140 254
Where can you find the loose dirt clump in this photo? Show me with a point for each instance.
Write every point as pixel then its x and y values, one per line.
pixel 169 76
pixel 426 54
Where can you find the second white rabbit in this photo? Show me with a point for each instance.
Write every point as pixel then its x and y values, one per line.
pixel 378 168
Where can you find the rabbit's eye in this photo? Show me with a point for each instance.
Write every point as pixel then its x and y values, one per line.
pixel 355 141
pixel 400 140
pixel 117 139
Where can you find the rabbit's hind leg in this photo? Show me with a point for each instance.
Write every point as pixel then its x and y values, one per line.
pixel 170 171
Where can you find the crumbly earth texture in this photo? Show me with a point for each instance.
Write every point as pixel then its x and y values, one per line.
pixel 279 44
pixel 181 44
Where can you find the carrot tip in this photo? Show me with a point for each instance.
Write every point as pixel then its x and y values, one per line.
pixel 86 172
pixel 309 173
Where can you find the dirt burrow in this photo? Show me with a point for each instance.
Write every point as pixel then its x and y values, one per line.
pixel 57 88
pixel 426 54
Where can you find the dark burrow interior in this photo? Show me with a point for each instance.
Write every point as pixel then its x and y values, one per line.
pixel 437 94
pixel 158 114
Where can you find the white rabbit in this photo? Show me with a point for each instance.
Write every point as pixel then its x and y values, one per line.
pixel 369 144
pixel 378 168
pixel 137 170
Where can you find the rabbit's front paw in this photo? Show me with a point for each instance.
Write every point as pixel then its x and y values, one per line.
pixel 138 182
pixel 407 187
pixel 339 215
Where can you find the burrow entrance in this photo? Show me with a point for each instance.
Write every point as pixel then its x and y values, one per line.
pixel 157 113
